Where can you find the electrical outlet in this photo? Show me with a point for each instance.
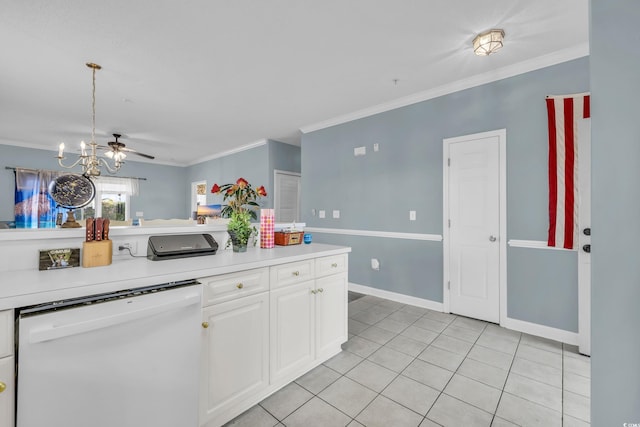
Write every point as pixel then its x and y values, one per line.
pixel 360 151
pixel 321 214
pixel 123 248
pixel 375 264
pixel 376 147
pixel 336 214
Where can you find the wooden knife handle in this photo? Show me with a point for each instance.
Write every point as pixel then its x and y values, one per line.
pixel 98 235
pixel 90 230
pixel 105 229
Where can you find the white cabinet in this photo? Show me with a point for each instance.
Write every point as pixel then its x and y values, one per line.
pixel 292 330
pixel 308 318
pixel 331 314
pixel 235 353
pixel 7 370
pixel 263 328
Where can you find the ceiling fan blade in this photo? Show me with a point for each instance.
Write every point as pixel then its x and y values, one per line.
pixel 132 151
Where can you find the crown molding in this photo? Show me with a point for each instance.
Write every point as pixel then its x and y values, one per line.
pixel 548 60
pixel 229 152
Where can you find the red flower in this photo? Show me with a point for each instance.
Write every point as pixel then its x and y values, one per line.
pixel 231 190
pixel 215 189
pixel 242 183
pixel 261 191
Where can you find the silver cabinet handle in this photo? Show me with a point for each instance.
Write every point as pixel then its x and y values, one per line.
pixel 492 238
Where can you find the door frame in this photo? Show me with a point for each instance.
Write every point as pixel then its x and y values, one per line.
pixel 501 134
pixel 277 172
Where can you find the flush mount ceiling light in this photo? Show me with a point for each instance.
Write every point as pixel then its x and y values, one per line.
pixel 488 42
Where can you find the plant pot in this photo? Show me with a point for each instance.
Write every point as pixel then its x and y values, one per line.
pixel 238 246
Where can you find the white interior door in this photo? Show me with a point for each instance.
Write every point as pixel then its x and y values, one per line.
pixel 287 196
pixel 474 228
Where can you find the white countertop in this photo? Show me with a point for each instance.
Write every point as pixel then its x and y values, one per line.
pixel 27 287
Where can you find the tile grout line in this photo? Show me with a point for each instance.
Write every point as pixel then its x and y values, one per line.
pixel 513 360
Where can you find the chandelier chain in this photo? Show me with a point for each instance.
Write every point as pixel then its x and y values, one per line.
pixel 93 108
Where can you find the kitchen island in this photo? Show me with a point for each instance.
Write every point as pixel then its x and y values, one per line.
pixel 268 315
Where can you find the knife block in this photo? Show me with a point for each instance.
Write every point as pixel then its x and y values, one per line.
pixel 97 253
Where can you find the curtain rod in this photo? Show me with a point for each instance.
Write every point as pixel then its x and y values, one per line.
pixel 47 170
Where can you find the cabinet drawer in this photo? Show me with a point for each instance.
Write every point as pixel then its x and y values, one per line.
pixel 6 333
pixel 294 272
pixel 331 265
pixel 230 286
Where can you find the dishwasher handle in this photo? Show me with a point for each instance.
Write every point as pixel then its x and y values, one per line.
pixel 53 332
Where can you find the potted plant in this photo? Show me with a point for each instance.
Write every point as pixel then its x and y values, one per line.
pixel 241 209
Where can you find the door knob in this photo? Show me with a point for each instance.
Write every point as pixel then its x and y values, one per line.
pixel 492 238
pixel 205 325
pixel 3 386
pixel 587 248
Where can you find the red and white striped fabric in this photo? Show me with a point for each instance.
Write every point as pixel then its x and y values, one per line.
pixel 563 113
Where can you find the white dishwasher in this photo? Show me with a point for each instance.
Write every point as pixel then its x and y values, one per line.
pixel 126 359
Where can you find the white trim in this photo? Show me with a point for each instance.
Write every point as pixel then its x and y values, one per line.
pixel 543 331
pixel 55 150
pixel 228 152
pixel 506 322
pixel 478 80
pixel 502 241
pixel 394 296
pixel 373 233
pixel 535 244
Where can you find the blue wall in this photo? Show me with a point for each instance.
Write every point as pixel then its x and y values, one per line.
pixel 375 192
pixel 615 89
pixel 256 165
pixel 162 195
pixel 166 192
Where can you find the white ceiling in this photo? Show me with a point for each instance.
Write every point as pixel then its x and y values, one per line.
pixel 186 80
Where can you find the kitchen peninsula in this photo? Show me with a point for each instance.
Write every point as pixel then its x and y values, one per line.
pixel 268 315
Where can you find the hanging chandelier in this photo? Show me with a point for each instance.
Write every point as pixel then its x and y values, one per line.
pixel 88 159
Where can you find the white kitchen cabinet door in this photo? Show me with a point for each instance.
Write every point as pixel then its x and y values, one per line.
pixel 331 314
pixel 7 392
pixel 6 333
pixel 235 354
pixel 292 330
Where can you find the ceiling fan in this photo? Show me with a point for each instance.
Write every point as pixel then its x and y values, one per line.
pixel 118 150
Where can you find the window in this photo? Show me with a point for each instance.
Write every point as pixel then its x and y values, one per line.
pixel 113 198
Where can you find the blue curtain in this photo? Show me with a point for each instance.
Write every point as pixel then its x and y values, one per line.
pixel 34 207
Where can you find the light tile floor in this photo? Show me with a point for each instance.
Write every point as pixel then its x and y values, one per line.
pixel 409 366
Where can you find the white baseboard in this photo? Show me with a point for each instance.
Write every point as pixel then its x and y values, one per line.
pixel 541 330
pixel 393 296
pixel 509 323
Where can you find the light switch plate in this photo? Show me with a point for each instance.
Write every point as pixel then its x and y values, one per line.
pixel 336 214
pixel 321 214
pixel 412 215
pixel 360 151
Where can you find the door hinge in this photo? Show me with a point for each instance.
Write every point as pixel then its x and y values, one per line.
pixel 449 285
pixel 449 161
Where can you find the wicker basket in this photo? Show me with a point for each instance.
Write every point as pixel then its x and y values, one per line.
pixel 288 238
